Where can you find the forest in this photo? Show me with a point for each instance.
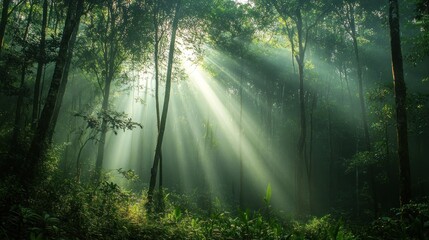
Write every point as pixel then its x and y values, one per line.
pixel 214 119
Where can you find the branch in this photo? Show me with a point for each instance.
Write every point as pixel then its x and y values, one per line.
pixel 320 17
pixel 344 21
pixel 283 13
pixel 14 7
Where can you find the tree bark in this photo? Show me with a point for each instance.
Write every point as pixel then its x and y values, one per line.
pixel 3 21
pixel 303 126
pixel 331 158
pixel 157 40
pixel 102 142
pixel 109 58
pixel 22 87
pixel 40 66
pixel 363 108
pixel 400 101
pixel 360 81
pixel 310 155
pixel 64 82
pixel 165 107
pixel 240 137
pixel 40 143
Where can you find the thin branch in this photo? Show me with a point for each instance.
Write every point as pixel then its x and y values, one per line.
pixel 14 7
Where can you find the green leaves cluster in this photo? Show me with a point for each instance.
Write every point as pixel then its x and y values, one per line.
pixel 323 228
pixel 115 121
pixel 408 222
pixel 230 26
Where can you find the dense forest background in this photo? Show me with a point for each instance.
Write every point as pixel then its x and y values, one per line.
pixel 214 119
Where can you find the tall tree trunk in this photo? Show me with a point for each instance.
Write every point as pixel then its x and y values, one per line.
pixel 303 127
pixel 360 81
pixel 18 108
pixel 331 159
pixel 40 66
pixel 400 100
pixel 156 60
pixel 310 155
pixel 40 143
pixel 363 108
pixel 22 87
pixel 102 142
pixel 64 82
pixel 109 58
pixel 240 140
pixel 165 107
pixel 3 21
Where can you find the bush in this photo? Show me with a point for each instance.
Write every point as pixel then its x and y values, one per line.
pixel 322 228
pixel 409 222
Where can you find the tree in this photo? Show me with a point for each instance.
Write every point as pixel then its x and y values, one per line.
pixel 160 13
pixel 187 14
pixel 6 11
pixel 420 47
pixel 300 17
pixel 26 61
pixel 230 30
pixel 401 104
pixel 348 17
pixel 109 42
pixel 40 64
pixel 40 143
pixel 163 121
pixel 3 21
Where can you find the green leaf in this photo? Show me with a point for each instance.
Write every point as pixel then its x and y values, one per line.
pixel 267 198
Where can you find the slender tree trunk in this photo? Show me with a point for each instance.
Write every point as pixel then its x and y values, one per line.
pixel 303 126
pixel 39 143
pixel 331 159
pixel 310 155
pixel 240 141
pixel 109 58
pixel 22 87
pixel 102 142
pixel 64 82
pixel 360 82
pixel 363 108
pixel 78 161
pixel 165 107
pixel 40 66
pixel 357 204
pixel 400 100
pixel 3 21
pixel 19 106
pixel 156 60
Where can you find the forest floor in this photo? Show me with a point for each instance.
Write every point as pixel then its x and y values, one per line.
pixel 60 208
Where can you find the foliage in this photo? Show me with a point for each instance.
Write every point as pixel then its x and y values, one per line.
pixel 267 198
pixel 420 48
pixel 128 174
pixel 115 121
pixel 230 26
pixel 322 228
pixel 115 41
pixel 409 222
pixel 362 159
pixel 417 107
pixel 62 209
pixel 108 211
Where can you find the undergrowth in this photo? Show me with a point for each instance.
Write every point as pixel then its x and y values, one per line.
pixel 62 208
